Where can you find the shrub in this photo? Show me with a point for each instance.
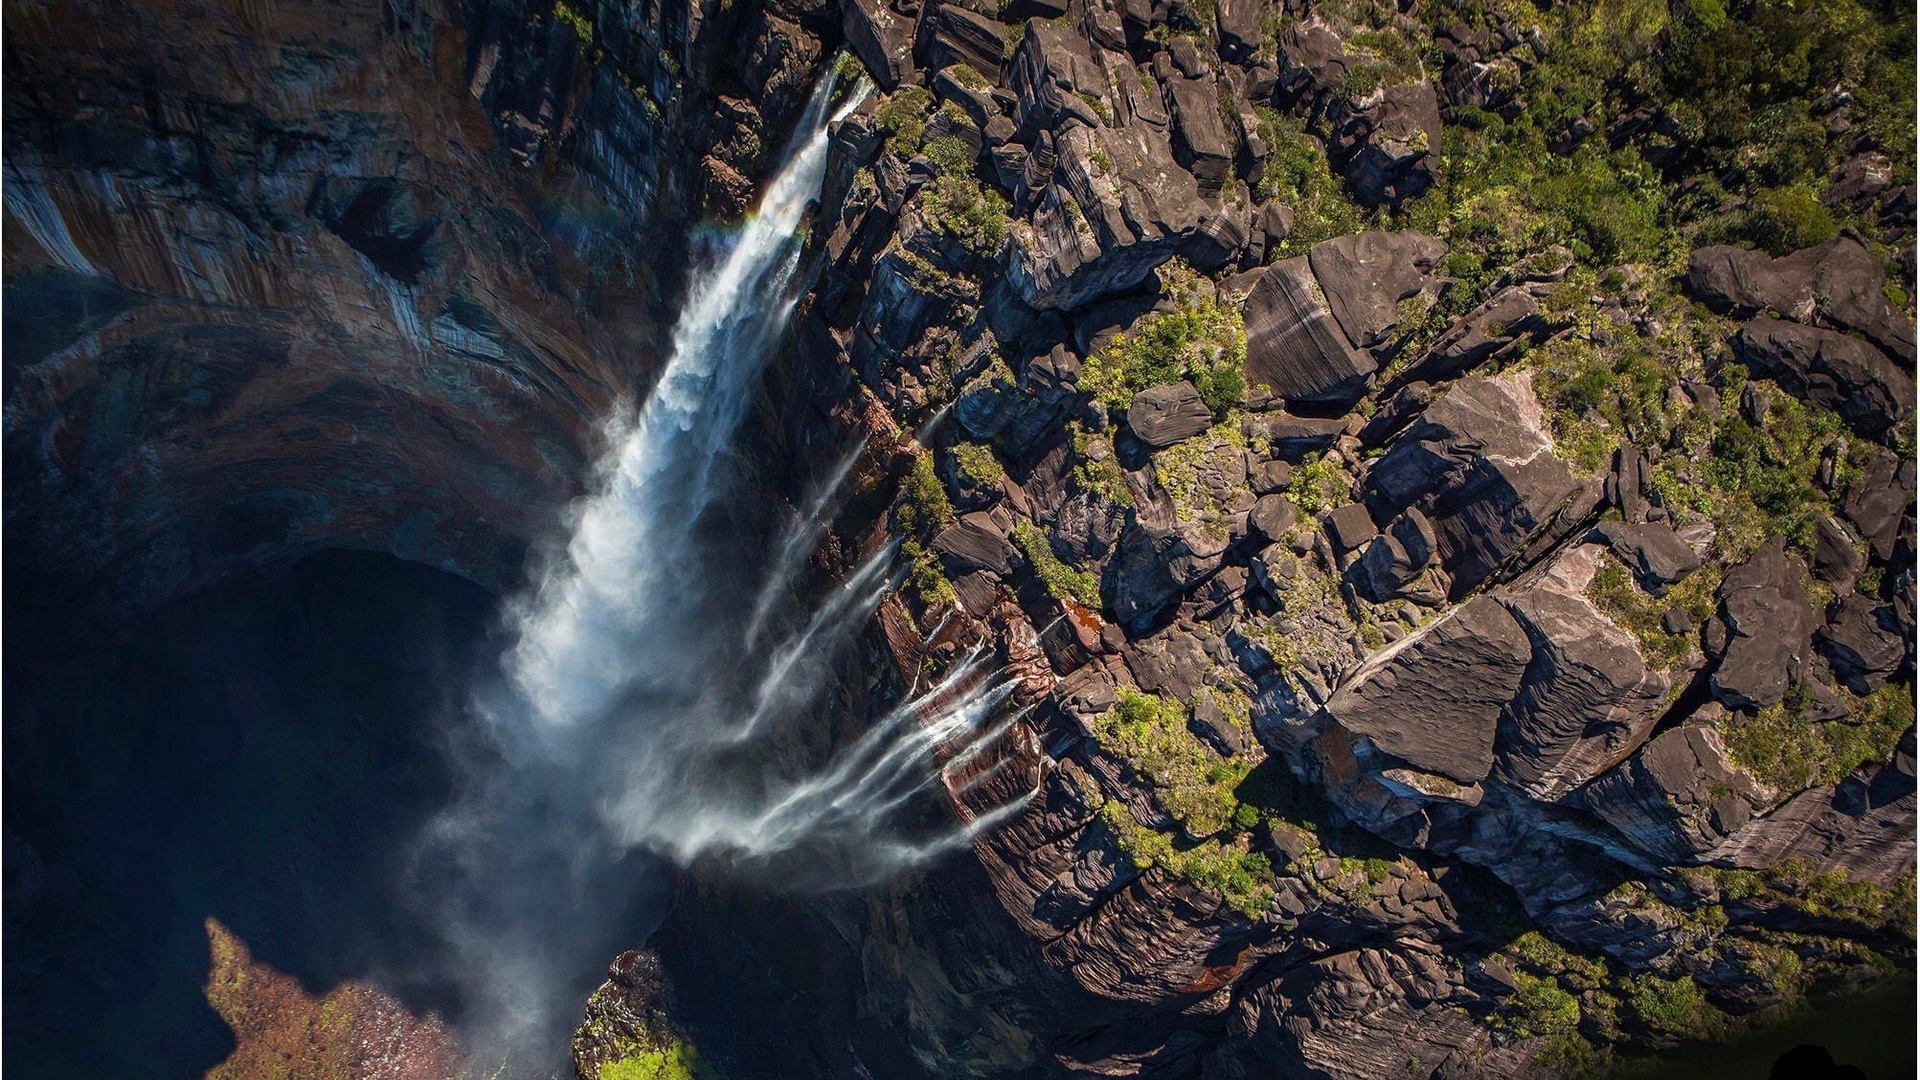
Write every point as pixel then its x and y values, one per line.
pixel 676 1062
pixel 1673 1006
pixel 926 506
pixel 1191 782
pixel 1203 339
pixel 1240 876
pixel 1061 580
pixel 926 579
pixel 957 203
pixel 1298 174
pixel 1615 594
pixel 1317 486
pixel 1780 220
pixel 977 464
pixel 1783 747
pixel 904 116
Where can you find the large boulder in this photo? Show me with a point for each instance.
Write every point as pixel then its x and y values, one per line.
pixel 1366 275
pixel 975 543
pixel 1843 373
pixel 1152 567
pixel 1588 697
pixel 1863 642
pixel 1479 465
pixel 881 37
pixel 1507 322
pixel 1164 415
pixel 1879 502
pixel 1117 207
pixel 1678 797
pixel 1201 143
pixel 1654 552
pixel 1390 144
pixel 1295 346
pixel 1743 282
pixel 1839 282
pixel 1433 699
pixel 1763 632
pixel 1863 826
pixel 950 33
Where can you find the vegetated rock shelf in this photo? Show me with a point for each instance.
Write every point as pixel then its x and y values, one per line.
pixel 1435 483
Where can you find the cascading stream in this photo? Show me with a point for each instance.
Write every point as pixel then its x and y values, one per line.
pixel 644 702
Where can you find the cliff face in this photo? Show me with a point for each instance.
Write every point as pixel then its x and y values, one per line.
pixel 297 276
pixel 1449 648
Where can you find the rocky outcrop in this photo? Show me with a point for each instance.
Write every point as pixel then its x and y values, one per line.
pixel 1434 699
pixel 1319 325
pixel 1166 415
pixel 1762 634
pixel 1295 348
pixel 1677 798
pixel 1479 467
pixel 1588 696
pixel 1805 309
pixel 300 304
pixel 1843 373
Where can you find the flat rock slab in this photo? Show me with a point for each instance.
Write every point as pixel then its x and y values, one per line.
pixel 1164 415
pixel 1434 699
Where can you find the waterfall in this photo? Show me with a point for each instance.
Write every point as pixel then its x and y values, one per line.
pixel 649 693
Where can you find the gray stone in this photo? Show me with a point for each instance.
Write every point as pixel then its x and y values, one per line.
pixel 1655 554
pixel 1349 527
pixel 1164 415
pixel 1843 373
pixel 974 543
pixel 1434 698
pixel 1764 629
pixel 1294 345
pixel 1677 798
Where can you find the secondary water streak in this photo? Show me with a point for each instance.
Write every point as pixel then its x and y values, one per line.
pixel 641 707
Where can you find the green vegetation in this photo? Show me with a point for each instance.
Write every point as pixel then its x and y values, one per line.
pixel 969 76
pixel 1195 785
pixel 977 465
pixel 923 511
pixel 581 23
pixel 1182 471
pixel 1673 1006
pixel 1829 895
pixel 1783 748
pixel 1203 340
pixel 676 1062
pixel 1240 876
pixel 1317 486
pixel 1061 580
pixel 904 116
pixel 1765 475
pixel 1298 174
pixel 1097 471
pixel 926 579
pixel 957 203
pixel 847 69
pixel 926 504
pixel 1190 780
pixel 1616 595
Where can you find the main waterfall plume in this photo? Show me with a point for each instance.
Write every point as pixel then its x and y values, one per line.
pixel 644 700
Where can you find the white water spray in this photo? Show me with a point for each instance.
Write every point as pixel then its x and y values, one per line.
pixel 651 676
